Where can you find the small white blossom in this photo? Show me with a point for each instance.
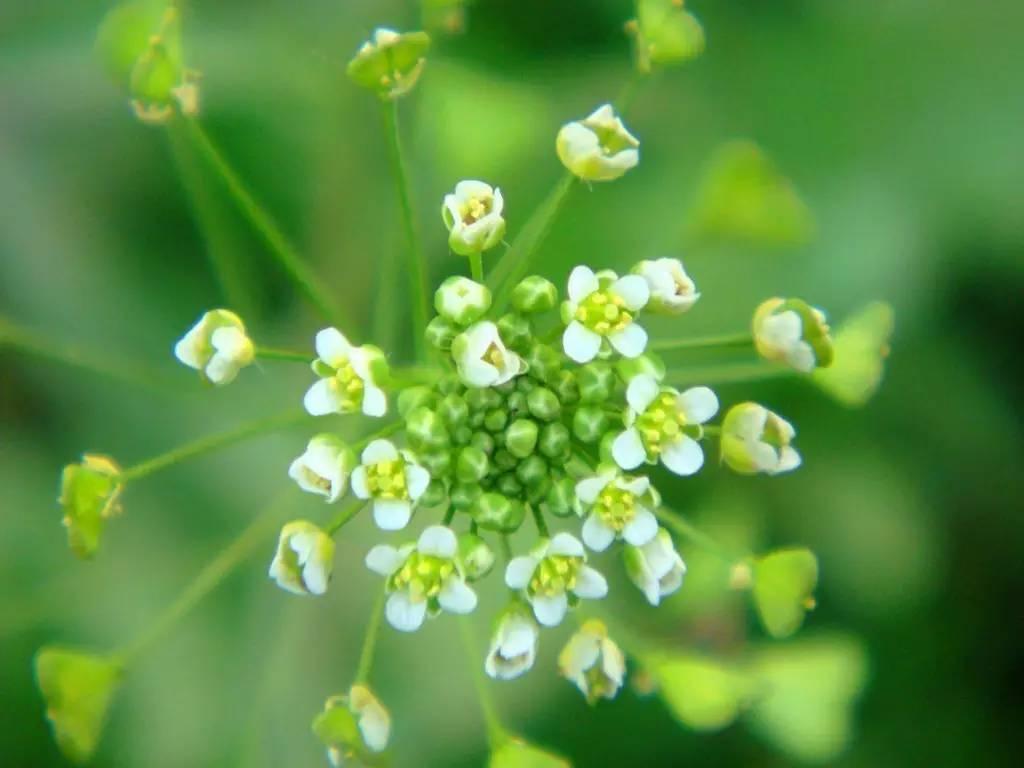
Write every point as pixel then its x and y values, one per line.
pixel 304 559
pixel 393 480
pixel 597 148
pixel 791 332
pixel 663 425
pixel 603 306
pixel 514 645
pixel 351 725
pixel 422 578
pixel 617 507
pixel 473 217
pixel 349 377
pixel 672 290
pixel 483 359
pixel 548 575
pixel 656 568
pixel 593 662
pixel 324 467
pixel 216 346
pixel 461 300
pixel 755 439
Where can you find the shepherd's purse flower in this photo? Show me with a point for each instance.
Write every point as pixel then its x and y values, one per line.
pixel 598 148
pixel 349 377
pixel 603 306
pixel 553 571
pixel 216 346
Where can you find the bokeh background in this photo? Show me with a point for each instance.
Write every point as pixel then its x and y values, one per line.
pixel 899 122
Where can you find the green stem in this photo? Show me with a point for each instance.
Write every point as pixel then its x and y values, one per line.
pixel 680 526
pixel 515 262
pixel 476 266
pixel 280 247
pixel 723 341
pixel 268 353
pixel 726 373
pixel 418 287
pixel 496 733
pixel 370 640
pixel 212 443
pixel 712 430
pixel 538 518
pixel 348 512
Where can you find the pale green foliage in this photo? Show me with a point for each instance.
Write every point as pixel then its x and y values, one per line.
pixel 861 345
pixel 784 583
pixel 701 693
pixel 516 753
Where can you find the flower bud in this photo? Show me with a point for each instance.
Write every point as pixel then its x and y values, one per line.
pixel 304 559
pixel 412 398
pixel 521 438
pixel 495 421
pixel 483 441
pixel 471 465
pixel 596 382
pixel 498 513
pixel 482 399
pixel 390 63
pixel 476 557
pixel 461 300
pixel 672 290
pixel 324 468
pixel 514 643
pixel 755 439
pixel 516 331
pixel 534 294
pixel 564 385
pixel 791 332
pixel 437 461
pixel 435 493
pixel 89 496
pixel 543 362
pixel 440 333
pixel 453 410
pixel 504 460
pixel 464 495
pixel 483 359
pixel 554 441
pixel 665 33
pixel 451 384
pixel 509 485
pixel 462 435
pixel 516 403
pixel 561 498
pixel 532 471
pixel 473 217
pixel 590 423
pixel 543 404
pixel 593 662
pixel 597 148
pixel 656 568
pixel 216 346
pixel 648 364
pixel 352 727
pixel 425 429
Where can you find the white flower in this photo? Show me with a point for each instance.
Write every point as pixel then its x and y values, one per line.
pixel 461 300
pixel 597 148
pixel 422 579
pixel 390 63
pixel 473 217
pixel 791 332
pixel 603 307
pixel 483 359
pixel 618 507
pixel 514 645
pixel 593 662
pixel 663 424
pixel 393 480
pixel 553 570
pixel 372 717
pixel 304 559
pixel 349 377
pixel 656 568
pixel 351 725
pixel 324 467
pixel 216 346
pixel 755 439
pixel 672 290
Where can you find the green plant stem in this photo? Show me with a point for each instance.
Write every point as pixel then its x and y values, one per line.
pixel 268 353
pixel 516 260
pixel 496 733
pixel 712 430
pixel 212 443
pixel 476 266
pixel 280 247
pixel 724 341
pixel 538 518
pixel 347 513
pixel 370 639
pixel 726 373
pixel 680 526
pixel 416 268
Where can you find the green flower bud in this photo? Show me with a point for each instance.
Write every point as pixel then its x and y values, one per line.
pixel 476 557
pixel 509 485
pixel 534 294
pixel 504 460
pixel 471 465
pixel 596 382
pixel 482 399
pixel 565 386
pixel 434 495
pixel 554 441
pixel 496 420
pixel 516 403
pixel 437 461
pixel 495 512
pixel 792 332
pixel 425 429
pixel 463 496
pixel 532 471
pixel 516 331
pixel 483 441
pixel 156 74
pixel 451 385
pixel 89 495
pixel 462 435
pixel 544 362
pixel 525 385
pixel 543 403
pixel 441 333
pixel 461 300
pixel 560 499
pixel 590 423
pixel 521 438
pixel 412 398
pixel 538 491
pixel 453 411
pixel 665 33
pixel 390 63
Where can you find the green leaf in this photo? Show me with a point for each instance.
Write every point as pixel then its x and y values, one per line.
pixel 808 692
pixel 516 753
pixel 701 693
pixel 742 196
pixel 784 583
pixel 860 347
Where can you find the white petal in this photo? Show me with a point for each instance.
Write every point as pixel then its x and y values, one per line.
pixel 580 343
pixel 520 571
pixel 641 392
pixel 789 460
pixel 416 480
pixel 439 541
pixel 631 341
pixel 642 528
pixel 391 514
pixel 683 457
pixel 375 402
pixel 550 610
pixel 566 544
pixel 633 290
pixel 358 483
pixel 590 584
pixel 378 451
pixel 403 614
pixel 315 576
pixel 384 559
pixel 582 283
pixel 588 489
pixel 457 597
pixel 469 188
pixel 627 449
pixel 187 349
pixel 698 404
pixel 332 347
pixel 596 534
pixel 321 399
pixel 221 369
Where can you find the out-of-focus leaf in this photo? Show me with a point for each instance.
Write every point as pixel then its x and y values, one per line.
pixel 447 16
pixel 701 693
pixel 806 692
pixel 124 35
pixel 784 583
pixel 743 196
pixel 860 347
pixel 666 33
pixel 516 753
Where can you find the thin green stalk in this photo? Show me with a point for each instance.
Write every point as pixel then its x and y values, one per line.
pixel 212 443
pixel 347 513
pixel 678 525
pixel 723 341
pixel 476 266
pixel 516 260
pixel 280 247
pixel 370 640
pixel 496 733
pixel 268 353
pixel 416 267
pixel 538 519
pixel 728 373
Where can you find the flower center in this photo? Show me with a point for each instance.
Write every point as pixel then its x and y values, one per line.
pixel 598 683
pixel 495 356
pixel 315 480
pixel 386 480
pixel 773 434
pixel 348 386
pixel 663 423
pixel 554 575
pixel 603 312
pixel 423 576
pixel 475 209
pixel 616 507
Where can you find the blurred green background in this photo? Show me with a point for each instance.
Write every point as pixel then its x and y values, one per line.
pixel 900 124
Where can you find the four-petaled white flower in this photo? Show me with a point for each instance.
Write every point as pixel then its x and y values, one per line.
pixel 422 578
pixel 672 290
pixel 755 439
pixel 792 332
pixel 617 507
pixel 663 424
pixel 597 148
pixel 304 559
pixel 216 346
pixel 593 662
pixel 393 480
pixel 349 377
pixel 483 359
pixel 656 568
pixel 548 575
pixel 473 217
pixel 324 467
pixel 514 645
pixel 603 306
